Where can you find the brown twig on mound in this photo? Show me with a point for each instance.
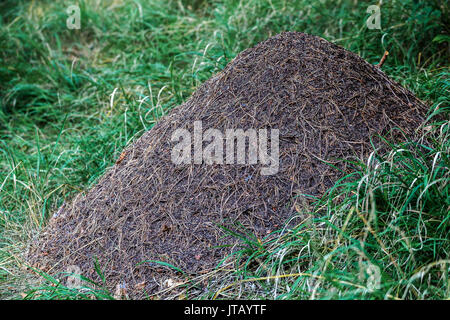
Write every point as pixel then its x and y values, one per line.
pixel 386 53
pixel 149 220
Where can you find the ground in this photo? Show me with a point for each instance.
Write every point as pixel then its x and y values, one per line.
pixel 71 99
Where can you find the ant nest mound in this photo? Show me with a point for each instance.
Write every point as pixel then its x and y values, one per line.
pixel 299 110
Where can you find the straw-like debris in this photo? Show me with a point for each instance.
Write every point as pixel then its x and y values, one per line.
pixel 328 105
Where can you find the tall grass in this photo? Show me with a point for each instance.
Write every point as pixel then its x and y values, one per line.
pixel 382 232
pixel 70 100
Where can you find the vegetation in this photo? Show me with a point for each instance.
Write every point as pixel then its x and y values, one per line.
pixel 70 100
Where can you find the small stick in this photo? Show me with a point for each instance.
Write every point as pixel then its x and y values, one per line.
pixel 386 53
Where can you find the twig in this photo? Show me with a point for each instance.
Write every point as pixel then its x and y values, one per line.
pixel 386 53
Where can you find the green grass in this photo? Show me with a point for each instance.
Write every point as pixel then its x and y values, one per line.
pixel 70 100
pixel 387 239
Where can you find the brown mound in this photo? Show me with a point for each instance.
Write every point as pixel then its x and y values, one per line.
pixel 326 102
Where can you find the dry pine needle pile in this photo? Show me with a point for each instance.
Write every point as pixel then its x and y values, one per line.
pixel 326 102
